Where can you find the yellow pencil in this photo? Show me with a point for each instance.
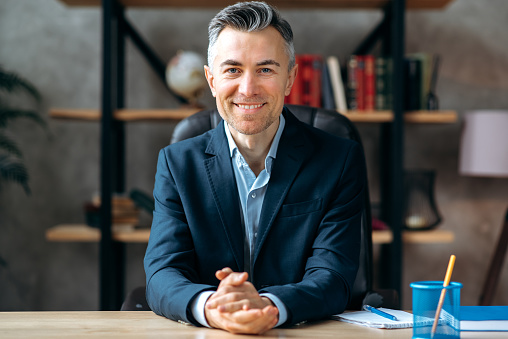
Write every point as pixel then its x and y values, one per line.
pixel 448 276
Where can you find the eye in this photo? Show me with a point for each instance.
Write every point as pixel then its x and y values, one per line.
pixel 232 71
pixel 266 70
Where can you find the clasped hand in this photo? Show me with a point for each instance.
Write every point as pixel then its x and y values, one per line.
pixel 237 306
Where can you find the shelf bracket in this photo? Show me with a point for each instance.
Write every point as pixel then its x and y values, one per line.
pixel 378 33
pixel 153 60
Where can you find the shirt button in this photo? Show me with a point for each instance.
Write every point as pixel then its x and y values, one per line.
pixel 253 195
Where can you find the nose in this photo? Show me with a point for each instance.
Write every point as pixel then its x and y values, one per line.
pixel 248 85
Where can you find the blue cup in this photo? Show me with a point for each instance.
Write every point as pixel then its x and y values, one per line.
pixel 426 296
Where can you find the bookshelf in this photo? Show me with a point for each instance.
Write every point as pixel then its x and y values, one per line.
pixel 416 117
pixel 112 116
pixel 85 233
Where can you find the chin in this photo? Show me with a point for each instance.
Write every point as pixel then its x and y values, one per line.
pixel 248 130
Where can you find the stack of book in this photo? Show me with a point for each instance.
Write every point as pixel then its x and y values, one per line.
pixel 369 82
pixel 307 86
pixel 124 212
pixel 318 83
pixel 366 85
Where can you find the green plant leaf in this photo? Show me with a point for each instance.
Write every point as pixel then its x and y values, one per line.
pixel 9 146
pixel 7 114
pixel 11 169
pixel 11 82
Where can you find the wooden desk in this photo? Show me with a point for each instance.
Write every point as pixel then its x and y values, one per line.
pixel 98 324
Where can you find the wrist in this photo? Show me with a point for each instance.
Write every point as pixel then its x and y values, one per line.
pixel 267 301
pixel 209 318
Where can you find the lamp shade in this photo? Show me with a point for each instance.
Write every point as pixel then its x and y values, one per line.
pixel 484 144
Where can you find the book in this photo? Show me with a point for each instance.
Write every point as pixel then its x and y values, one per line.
pixel 369 319
pixel 327 100
pixel 369 83
pixel 311 79
pixel 384 72
pixel 337 85
pixel 484 318
pixel 412 82
pixel 360 82
pixel 306 75
pixel 352 83
pixel 425 60
pixel 295 96
pixel 317 73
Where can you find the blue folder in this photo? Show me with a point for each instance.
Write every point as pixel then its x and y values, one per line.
pixel 484 318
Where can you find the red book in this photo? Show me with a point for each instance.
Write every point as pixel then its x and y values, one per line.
pixel 360 82
pixel 306 72
pixel 369 83
pixel 295 96
pixel 316 65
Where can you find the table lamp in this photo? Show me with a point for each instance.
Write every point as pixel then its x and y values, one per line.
pixel 484 153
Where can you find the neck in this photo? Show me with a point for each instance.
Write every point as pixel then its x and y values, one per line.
pixel 255 148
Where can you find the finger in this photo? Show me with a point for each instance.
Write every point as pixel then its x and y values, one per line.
pixel 221 274
pixel 265 315
pixel 234 306
pixel 253 321
pixel 240 298
pixel 268 324
pixel 268 321
pixel 236 302
pixel 248 322
pixel 244 297
pixel 235 279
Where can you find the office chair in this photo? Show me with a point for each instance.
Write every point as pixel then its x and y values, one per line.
pixel 333 123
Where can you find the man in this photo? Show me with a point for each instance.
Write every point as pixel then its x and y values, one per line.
pixel 257 222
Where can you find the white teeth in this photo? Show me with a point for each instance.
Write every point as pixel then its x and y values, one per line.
pixel 250 106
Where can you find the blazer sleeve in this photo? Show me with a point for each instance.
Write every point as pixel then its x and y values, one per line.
pixel 331 268
pixel 171 276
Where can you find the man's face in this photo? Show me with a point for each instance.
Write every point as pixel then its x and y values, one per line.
pixel 250 78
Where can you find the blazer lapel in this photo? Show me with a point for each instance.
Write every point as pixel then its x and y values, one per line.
pixel 225 193
pixel 293 149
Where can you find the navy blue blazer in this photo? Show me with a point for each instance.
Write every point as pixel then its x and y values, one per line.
pixel 308 242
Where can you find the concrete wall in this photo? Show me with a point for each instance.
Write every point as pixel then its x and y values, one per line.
pixel 58 49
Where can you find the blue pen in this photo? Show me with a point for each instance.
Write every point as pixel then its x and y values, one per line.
pixel 379 312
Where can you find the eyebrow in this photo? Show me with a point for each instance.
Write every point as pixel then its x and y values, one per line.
pixel 268 62
pixel 231 62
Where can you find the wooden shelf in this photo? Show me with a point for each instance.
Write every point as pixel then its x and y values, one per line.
pixel 415 237
pixel 419 117
pixel 340 4
pixel 123 114
pixel 84 233
pixel 431 117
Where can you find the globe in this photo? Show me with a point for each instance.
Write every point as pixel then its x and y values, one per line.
pixel 185 75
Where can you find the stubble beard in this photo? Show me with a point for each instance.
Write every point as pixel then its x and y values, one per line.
pixel 262 126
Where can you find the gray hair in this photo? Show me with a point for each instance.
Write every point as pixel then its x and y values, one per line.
pixel 252 16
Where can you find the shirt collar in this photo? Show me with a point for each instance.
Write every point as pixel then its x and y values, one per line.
pixel 273 148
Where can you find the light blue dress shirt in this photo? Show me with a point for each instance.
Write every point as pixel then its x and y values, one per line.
pixel 251 190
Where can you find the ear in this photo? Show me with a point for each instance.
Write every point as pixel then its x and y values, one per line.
pixel 291 79
pixel 210 79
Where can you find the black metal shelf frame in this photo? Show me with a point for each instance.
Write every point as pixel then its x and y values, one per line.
pixel 116 28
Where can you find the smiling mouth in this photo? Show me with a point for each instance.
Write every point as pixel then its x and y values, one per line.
pixel 249 106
